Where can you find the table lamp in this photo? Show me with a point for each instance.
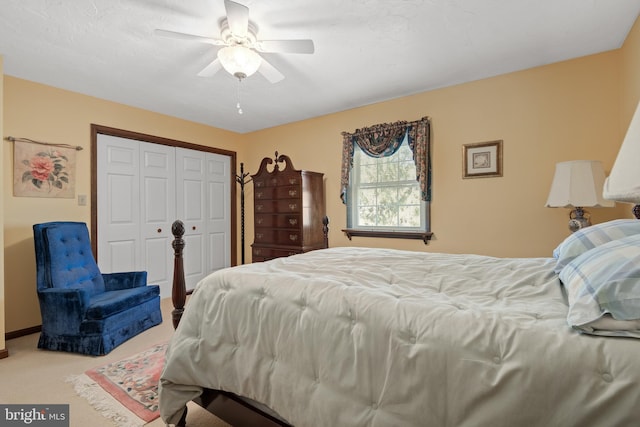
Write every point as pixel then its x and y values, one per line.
pixel 623 184
pixel 578 184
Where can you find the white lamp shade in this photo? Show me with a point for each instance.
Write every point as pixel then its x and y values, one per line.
pixel 623 184
pixel 578 183
pixel 239 61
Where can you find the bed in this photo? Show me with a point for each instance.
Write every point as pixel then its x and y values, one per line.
pixel 350 336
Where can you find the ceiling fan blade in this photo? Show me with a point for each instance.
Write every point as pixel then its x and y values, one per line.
pixel 237 18
pixel 270 72
pixel 285 46
pixel 211 69
pixel 190 37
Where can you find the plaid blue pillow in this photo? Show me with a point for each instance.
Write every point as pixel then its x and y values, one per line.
pixel 604 280
pixel 590 237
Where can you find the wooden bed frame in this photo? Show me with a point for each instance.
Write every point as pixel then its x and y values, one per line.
pixel 227 406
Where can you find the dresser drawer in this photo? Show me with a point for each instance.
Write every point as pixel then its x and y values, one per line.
pixel 278 220
pixel 289 192
pixel 286 192
pixel 276 181
pixel 278 206
pixel 278 236
pixel 265 193
pixel 259 254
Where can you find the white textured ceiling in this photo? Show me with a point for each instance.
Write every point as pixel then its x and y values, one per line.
pixel 365 50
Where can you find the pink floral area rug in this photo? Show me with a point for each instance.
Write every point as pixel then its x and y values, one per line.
pixel 127 390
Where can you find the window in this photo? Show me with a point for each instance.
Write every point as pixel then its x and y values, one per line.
pixel 384 194
pixel 385 180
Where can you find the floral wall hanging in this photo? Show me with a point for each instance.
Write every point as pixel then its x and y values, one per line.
pixel 41 170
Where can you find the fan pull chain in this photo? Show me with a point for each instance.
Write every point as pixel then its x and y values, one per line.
pixel 238 97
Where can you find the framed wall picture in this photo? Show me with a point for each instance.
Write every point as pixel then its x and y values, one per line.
pixel 43 170
pixel 482 159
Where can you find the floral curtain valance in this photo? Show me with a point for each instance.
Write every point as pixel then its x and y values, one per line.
pixel 384 140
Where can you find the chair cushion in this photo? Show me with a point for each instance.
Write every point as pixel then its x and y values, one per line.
pixel 71 262
pixel 108 303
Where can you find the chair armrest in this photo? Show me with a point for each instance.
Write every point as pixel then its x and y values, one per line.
pixel 63 310
pixel 128 280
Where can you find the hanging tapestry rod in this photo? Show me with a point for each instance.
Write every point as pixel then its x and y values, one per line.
pixel 53 144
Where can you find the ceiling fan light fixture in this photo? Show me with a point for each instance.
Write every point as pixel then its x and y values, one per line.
pixel 239 61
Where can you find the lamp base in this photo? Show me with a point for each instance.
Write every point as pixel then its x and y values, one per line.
pixel 578 219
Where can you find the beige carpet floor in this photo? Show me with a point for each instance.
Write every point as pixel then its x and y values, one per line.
pixel 32 376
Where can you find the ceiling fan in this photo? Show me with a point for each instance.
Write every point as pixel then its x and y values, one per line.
pixel 239 56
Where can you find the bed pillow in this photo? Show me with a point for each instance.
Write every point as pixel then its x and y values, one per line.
pixel 603 282
pixel 590 237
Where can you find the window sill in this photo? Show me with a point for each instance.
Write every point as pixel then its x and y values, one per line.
pixel 425 236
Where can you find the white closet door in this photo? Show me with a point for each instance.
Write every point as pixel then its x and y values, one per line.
pixel 142 189
pixel 204 206
pixel 191 209
pixel 158 203
pixel 218 211
pixel 119 247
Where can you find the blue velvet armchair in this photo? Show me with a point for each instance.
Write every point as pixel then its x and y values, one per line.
pixel 83 310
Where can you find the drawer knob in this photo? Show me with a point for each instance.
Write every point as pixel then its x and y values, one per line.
pixel 293 206
pixel 259 207
pixel 259 236
pixel 259 195
pixel 293 221
pixel 259 220
pixel 293 237
pixel 293 193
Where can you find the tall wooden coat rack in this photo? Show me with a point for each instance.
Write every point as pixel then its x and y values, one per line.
pixel 241 179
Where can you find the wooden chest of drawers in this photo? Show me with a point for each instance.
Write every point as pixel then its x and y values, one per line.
pixel 289 208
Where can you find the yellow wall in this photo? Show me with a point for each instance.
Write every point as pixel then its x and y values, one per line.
pixel 45 113
pixel 577 109
pixel 558 112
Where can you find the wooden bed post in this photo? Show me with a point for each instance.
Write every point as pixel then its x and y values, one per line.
pixel 325 230
pixel 179 289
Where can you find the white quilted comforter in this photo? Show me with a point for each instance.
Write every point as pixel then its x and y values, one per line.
pixel 378 337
